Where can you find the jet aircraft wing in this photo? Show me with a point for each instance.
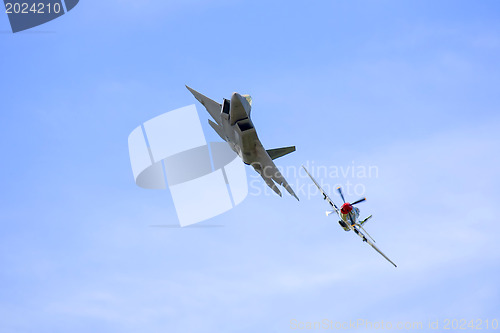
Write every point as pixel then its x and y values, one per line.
pixel 212 106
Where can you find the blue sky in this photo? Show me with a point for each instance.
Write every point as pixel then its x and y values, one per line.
pixel 410 87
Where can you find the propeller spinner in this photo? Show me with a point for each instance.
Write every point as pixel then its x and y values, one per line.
pixel 346 208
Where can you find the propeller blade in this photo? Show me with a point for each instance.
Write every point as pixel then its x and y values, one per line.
pixel 358 201
pixel 341 194
pixel 328 212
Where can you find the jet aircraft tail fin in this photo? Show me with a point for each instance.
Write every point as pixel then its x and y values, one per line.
pixel 278 152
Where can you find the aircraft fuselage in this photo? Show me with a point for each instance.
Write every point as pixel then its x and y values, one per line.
pixel 238 128
pixel 354 213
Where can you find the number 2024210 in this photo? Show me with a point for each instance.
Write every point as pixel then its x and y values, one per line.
pixel 36 8
pixel 462 324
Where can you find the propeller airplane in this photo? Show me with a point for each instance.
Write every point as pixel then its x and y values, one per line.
pixel 349 216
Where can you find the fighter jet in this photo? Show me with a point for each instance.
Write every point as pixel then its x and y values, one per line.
pixel 233 125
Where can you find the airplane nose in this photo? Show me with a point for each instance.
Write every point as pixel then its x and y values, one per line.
pixel 346 208
pixel 238 101
pixel 236 98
